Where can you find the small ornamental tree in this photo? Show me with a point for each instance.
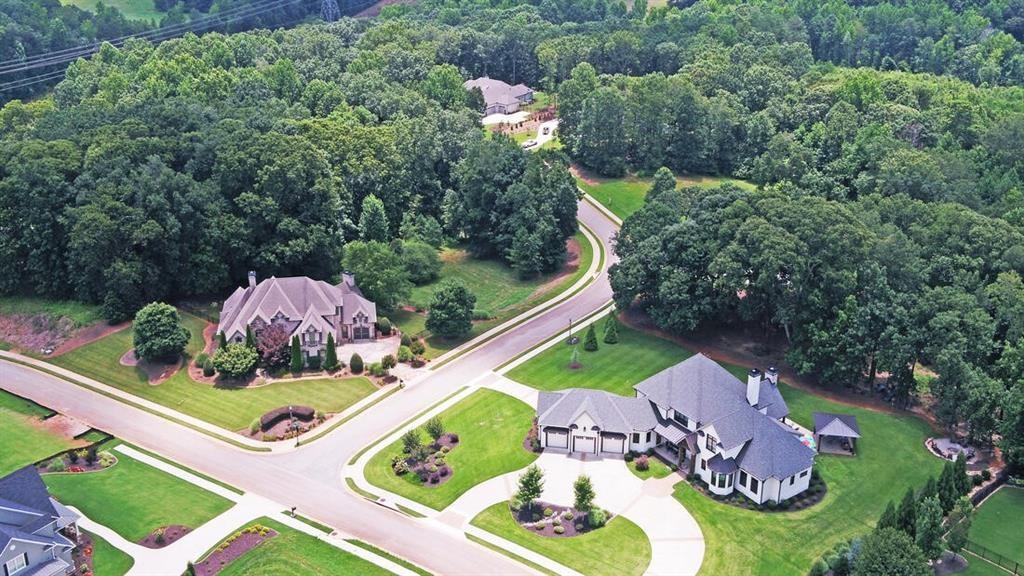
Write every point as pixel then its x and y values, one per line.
pixel 331 355
pixel 929 527
pixel 451 310
pixel 355 363
pixel 236 360
pixel 434 427
pixel 574 358
pixel 250 338
pixel 411 441
pixel 272 344
pixel 404 354
pixel 583 489
pixel 159 334
pixel 611 330
pixel 388 362
pixel 531 486
pixel 296 355
pixel 590 340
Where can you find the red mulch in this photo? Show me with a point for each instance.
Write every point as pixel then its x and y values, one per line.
pixel 239 545
pixel 82 554
pixel 529 520
pixel 172 534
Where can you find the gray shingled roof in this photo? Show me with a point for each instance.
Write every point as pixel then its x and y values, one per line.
pixel 496 91
pixel 842 425
pixel 774 449
pixel 610 412
pixel 704 391
pixel 23 491
pixel 295 297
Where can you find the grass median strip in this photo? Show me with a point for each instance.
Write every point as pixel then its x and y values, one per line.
pixel 511 555
pixel 385 554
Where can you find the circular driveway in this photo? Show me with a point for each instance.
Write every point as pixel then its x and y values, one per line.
pixel 677 544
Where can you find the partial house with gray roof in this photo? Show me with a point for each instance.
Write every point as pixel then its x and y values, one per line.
pixel 499 97
pixel 696 414
pixel 309 308
pixel 37 533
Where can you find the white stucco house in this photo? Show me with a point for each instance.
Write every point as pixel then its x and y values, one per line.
pixel 698 415
pixel 312 309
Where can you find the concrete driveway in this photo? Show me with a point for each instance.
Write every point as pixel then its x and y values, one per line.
pixel 677 544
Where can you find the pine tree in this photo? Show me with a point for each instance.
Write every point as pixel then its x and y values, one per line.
pixel 889 518
pixel 590 340
pixel 531 486
pixel 611 330
pixel 250 338
pixel 296 355
pixel 930 489
pixel 331 356
pixel 963 480
pixel 906 516
pixel 223 341
pixel 929 527
pixel 948 490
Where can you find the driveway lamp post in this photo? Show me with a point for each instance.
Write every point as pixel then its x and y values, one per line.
pixel 569 341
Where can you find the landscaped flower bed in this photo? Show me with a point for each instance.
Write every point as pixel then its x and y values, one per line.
pixel 234 546
pixel 815 493
pixel 164 536
pixel 77 461
pixel 556 521
pixel 532 441
pixel 430 462
pixel 285 422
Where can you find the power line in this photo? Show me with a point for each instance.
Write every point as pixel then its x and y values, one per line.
pixel 156 35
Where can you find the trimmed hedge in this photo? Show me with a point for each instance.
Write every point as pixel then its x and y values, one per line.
pixel 304 413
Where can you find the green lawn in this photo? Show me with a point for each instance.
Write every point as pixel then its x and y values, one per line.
pixel 999 523
pixel 978 567
pixel 296 554
pixel 655 469
pixel 891 457
pixel 24 441
pixel 133 498
pixel 132 9
pixel 498 292
pixel 623 196
pixel 619 549
pixel 491 428
pixel 79 313
pixel 107 560
pixel 613 367
pixel 229 407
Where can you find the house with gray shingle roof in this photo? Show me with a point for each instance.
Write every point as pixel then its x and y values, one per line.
pixel 732 435
pixel 499 97
pixel 309 308
pixel 37 533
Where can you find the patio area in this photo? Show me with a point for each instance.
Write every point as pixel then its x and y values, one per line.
pixel 370 350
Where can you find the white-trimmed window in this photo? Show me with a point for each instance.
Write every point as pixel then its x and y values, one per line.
pixel 16 564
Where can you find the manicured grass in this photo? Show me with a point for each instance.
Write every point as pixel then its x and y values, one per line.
pixel 134 499
pixel 79 313
pixel 491 428
pixel 999 523
pixel 619 549
pixel 623 196
pixel 24 442
pixel 655 469
pixel 978 567
pixel 296 554
pixel 613 367
pixel 132 9
pixel 232 408
pixel 891 457
pixel 107 560
pixel 401 562
pixel 499 293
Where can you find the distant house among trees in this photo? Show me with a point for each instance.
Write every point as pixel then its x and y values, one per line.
pixel 499 97
pixel 307 308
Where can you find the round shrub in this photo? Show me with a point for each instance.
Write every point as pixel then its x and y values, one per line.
pixel 568 515
pixel 435 478
pixel 536 517
pixel 236 361
pixel 417 347
pixel 538 526
pixel 445 449
pixel 579 527
pixel 642 464
pixel 597 518
pixel 406 340
pixel 356 364
pixel 404 354
pixel 820 568
pixel 548 512
pixel 201 359
pixel 208 368
pixel 559 530
pixel 384 326
pixel 976 479
pixel 557 521
pixel 56 465
pixel 444 471
pixel 454 438
pixel 388 362
pixel 986 475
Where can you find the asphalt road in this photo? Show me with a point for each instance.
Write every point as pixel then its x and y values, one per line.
pixel 310 478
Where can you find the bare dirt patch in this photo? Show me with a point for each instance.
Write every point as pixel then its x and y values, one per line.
pixel 572 263
pixel 165 536
pixel 38 332
pixel 65 426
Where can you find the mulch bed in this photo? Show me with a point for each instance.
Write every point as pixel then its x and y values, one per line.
pixel 429 471
pixel 814 494
pixel 531 443
pixel 82 554
pixel 78 467
pixel 171 534
pixel 537 522
pixel 232 548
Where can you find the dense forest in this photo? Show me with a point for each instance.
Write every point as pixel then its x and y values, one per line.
pixel 887 139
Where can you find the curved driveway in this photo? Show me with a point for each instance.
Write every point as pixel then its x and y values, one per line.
pixel 309 478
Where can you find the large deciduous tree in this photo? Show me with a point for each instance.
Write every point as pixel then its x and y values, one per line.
pixel 451 310
pixel 158 333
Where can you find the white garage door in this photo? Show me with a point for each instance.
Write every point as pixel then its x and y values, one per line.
pixel 614 445
pixel 584 444
pixel 555 439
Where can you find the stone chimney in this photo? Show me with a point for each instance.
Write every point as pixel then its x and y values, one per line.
pixel 772 374
pixel 252 278
pixel 753 386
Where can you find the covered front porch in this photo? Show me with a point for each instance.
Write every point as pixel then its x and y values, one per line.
pixel 676 446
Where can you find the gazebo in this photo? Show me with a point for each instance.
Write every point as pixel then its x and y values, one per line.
pixel 836 433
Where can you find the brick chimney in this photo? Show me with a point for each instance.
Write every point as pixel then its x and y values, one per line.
pixel 753 386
